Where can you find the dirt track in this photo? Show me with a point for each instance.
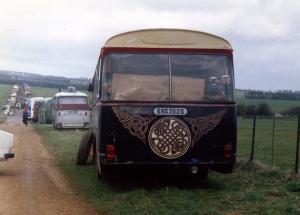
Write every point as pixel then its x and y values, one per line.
pixel 30 183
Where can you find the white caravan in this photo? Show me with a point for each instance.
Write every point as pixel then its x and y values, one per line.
pixel 6 143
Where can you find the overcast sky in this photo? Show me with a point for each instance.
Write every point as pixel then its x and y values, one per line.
pixel 64 37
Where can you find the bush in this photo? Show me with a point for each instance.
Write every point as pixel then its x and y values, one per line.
pixel 241 109
pixel 294 111
pixel 250 110
pixel 263 109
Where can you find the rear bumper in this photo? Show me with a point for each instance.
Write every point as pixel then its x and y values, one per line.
pixel 6 156
pixel 222 167
pixel 9 155
pixel 75 125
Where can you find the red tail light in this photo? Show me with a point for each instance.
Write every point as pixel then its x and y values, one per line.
pixel 227 152
pixel 85 114
pixel 110 151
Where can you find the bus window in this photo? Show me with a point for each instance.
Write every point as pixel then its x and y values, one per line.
pixel 201 78
pixel 72 100
pixel 136 77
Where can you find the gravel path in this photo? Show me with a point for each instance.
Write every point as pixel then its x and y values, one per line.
pixel 30 183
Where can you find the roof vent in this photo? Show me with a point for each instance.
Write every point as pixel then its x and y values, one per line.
pixel 71 89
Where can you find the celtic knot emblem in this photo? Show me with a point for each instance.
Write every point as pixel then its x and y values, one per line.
pixel 169 138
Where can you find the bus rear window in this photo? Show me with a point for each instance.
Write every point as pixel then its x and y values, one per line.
pixel 167 77
pixel 72 100
pixel 136 77
pixel 201 78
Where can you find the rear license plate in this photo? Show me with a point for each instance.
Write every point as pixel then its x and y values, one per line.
pixel 170 111
pixel 72 112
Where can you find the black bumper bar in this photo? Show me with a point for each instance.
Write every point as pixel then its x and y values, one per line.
pixel 9 155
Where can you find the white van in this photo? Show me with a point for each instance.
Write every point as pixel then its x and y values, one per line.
pixel 31 103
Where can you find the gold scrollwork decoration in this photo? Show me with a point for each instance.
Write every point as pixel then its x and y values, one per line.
pixel 202 125
pixel 135 124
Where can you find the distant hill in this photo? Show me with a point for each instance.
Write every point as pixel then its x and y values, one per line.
pixel 12 77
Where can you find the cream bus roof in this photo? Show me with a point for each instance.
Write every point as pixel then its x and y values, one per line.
pixel 168 38
pixel 66 94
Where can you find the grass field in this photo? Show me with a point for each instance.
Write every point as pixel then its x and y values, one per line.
pixel 284 141
pixel 251 189
pixel 43 92
pixel 4 91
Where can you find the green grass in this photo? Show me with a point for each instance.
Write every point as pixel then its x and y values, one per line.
pixel 284 141
pixel 2 118
pixel 4 91
pixel 251 189
pixel 43 91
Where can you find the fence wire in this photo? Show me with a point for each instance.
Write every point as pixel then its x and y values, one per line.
pixel 274 143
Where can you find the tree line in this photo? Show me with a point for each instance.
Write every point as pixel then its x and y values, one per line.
pixel 46 83
pixel 279 95
pixel 263 109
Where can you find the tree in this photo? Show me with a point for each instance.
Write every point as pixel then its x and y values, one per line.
pixel 263 109
pixel 250 110
pixel 241 109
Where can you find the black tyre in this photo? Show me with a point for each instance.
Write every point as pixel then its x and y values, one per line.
pixel 98 168
pixel 84 149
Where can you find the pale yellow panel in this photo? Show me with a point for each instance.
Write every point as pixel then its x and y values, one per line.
pixel 168 38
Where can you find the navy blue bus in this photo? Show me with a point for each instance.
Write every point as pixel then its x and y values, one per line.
pixel 165 97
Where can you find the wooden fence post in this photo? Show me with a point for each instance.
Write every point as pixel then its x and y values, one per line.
pixel 297 147
pixel 273 134
pixel 253 138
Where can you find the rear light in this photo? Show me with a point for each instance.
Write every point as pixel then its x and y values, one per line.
pixel 227 152
pixel 58 113
pixel 85 113
pixel 110 152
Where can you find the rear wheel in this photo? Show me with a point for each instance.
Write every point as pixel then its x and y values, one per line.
pixel 85 146
pixel 98 167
